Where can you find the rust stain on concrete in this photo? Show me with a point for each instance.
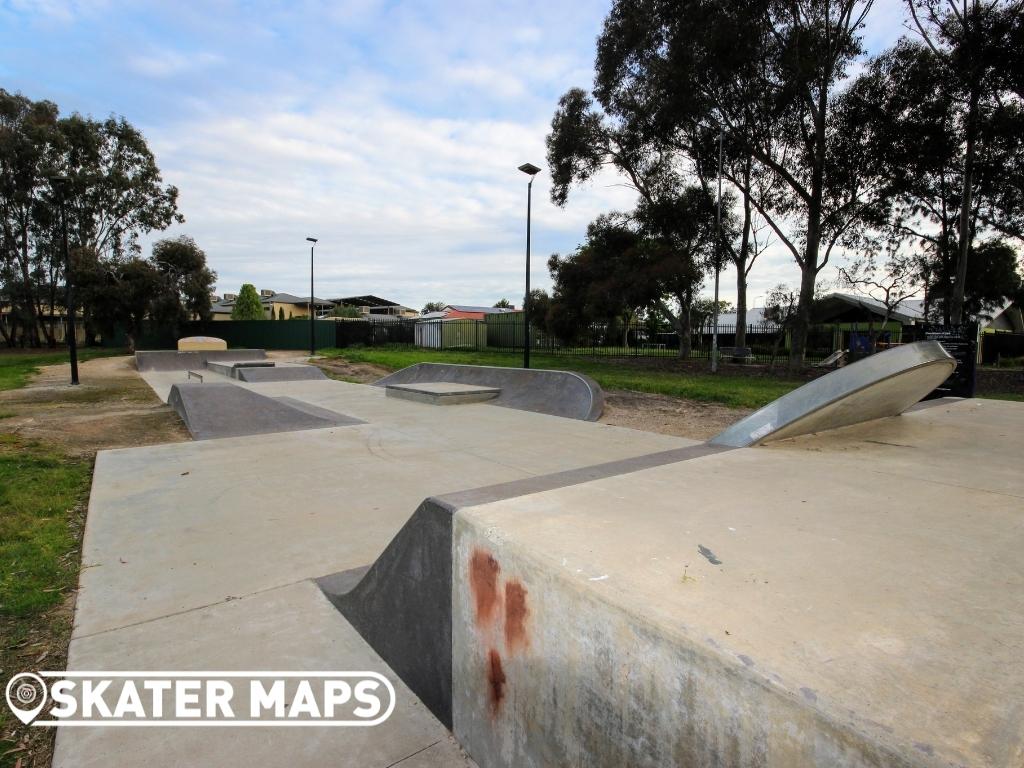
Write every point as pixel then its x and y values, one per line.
pixel 516 613
pixel 495 681
pixel 483 579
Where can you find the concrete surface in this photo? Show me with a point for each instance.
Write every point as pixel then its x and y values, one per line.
pixel 443 393
pixel 291 627
pixel 854 598
pixel 171 360
pixel 884 384
pixel 556 393
pixel 211 410
pixel 201 555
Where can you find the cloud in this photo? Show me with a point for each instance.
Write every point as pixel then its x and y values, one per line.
pixel 392 131
pixel 169 63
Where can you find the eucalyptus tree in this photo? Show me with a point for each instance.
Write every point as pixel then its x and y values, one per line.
pixel 770 74
pixel 969 45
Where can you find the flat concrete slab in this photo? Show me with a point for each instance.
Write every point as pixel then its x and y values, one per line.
pixel 292 627
pixel 852 598
pixel 443 393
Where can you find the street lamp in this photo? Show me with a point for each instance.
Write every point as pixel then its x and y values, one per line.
pixel 530 170
pixel 718 256
pixel 312 310
pixel 59 183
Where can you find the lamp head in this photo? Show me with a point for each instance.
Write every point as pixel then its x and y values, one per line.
pixel 529 169
pixel 311 239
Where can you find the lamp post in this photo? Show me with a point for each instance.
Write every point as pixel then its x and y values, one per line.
pixel 312 306
pixel 60 186
pixel 530 170
pixel 718 258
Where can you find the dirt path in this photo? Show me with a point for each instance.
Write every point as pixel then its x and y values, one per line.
pixel 354 373
pixel 668 415
pixel 112 408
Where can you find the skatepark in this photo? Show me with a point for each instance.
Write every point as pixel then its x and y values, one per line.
pixel 834 580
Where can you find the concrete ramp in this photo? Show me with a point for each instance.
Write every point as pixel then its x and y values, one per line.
pixel 556 393
pixel 225 410
pixel 884 384
pixel 402 604
pixel 279 373
pixel 172 360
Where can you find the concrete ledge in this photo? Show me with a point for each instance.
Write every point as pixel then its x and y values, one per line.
pixel 447 393
pixel 279 373
pixel 172 360
pixel 230 368
pixel 556 393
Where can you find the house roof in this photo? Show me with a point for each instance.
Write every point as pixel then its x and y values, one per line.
pixel 908 311
pixel 366 301
pixel 224 306
pixel 484 310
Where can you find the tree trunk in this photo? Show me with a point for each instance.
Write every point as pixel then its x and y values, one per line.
pixel 741 275
pixel 964 230
pixel 809 269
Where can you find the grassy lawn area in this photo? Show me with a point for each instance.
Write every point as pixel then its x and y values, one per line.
pixel 43 494
pixel 17 366
pixel 739 391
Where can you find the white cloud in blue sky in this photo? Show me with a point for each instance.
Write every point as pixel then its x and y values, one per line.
pixel 390 130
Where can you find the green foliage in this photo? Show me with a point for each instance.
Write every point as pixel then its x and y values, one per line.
pixel 503 303
pixel 169 288
pixel 343 310
pixel 113 194
pixel 247 306
pixel 434 306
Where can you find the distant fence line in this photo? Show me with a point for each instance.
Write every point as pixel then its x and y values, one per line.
pixel 505 333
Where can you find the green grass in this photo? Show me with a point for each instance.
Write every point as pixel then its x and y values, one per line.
pixel 17 367
pixel 738 391
pixel 39 489
pixel 1015 396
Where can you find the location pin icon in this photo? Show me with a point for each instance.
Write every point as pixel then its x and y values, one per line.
pixel 26 696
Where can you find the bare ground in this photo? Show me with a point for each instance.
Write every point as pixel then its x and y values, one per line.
pixel 112 408
pixel 668 415
pixel 354 373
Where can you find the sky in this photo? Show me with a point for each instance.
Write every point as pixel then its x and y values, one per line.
pixel 391 131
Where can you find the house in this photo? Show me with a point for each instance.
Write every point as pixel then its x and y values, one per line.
pixel 1007 318
pixel 276 306
pixel 466 312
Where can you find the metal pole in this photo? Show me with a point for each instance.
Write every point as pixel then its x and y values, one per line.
pixel 718 260
pixel 69 300
pixel 526 303
pixel 312 309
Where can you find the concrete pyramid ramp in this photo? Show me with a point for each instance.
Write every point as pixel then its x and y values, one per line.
pixel 884 384
pixel 225 410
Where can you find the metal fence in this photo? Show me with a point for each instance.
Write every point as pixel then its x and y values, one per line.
pixel 505 333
